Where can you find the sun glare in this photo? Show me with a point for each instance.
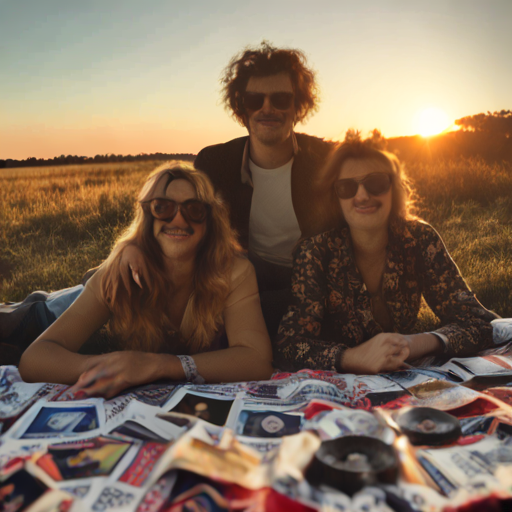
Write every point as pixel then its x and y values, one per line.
pixel 432 121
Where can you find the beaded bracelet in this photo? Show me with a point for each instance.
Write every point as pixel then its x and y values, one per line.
pixel 190 369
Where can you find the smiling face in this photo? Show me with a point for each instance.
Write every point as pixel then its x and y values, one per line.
pixel 268 125
pixel 365 211
pixel 179 238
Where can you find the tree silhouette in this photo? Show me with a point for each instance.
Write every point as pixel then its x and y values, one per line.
pixel 497 123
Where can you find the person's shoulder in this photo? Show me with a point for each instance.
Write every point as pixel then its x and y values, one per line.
pixel 242 271
pixel 332 240
pixel 242 267
pixel 314 145
pixel 418 228
pixel 217 151
pixel 95 280
pixel 326 236
pixel 419 234
pixel 93 285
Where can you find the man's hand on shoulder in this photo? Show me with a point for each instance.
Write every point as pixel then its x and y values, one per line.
pixel 132 266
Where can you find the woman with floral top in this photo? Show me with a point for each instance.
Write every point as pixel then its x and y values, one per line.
pixel 357 289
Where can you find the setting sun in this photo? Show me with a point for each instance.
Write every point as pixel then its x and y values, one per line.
pixel 432 121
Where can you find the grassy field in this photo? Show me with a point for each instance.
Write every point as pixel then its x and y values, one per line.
pixel 56 222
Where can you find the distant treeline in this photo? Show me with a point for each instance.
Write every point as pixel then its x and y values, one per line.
pixel 98 159
pixel 453 145
pixel 487 136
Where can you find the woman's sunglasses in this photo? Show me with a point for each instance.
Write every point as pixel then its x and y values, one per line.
pixel 192 210
pixel 376 184
pixel 279 100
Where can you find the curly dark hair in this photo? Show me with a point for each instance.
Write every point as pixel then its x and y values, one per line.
pixel 267 60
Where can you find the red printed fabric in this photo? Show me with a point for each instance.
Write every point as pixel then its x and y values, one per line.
pixel 331 308
pixel 144 463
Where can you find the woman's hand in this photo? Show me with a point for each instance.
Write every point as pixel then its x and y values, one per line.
pixel 132 265
pixel 109 374
pixel 385 352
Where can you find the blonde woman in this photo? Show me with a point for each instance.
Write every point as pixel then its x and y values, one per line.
pixel 198 320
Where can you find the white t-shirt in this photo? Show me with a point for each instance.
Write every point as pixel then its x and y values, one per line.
pixel 273 226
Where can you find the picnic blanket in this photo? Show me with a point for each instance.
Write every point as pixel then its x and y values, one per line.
pixel 246 446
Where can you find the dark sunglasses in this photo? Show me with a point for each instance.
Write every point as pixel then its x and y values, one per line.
pixel 376 184
pixel 192 210
pixel 279 100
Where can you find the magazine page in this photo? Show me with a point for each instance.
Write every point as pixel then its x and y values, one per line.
pixel 501 330
pixel 230 460
pixel 279 389
pixel 309 389
pixel 114 496
pixel 408 379
pixel 457 370
pixel 78 461
pixel 346 421
pixel 486 365
pixel 19 489
pixel 88 468
pixel 212 408
pixel 15 394
pixel 261 424
pixel 140 421
pixel 448 398
pixel 59 420
pixel 367 391
pixel 456 466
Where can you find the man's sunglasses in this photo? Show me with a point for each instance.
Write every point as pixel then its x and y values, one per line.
pixel 279 100
pixel 376 184
pixel 192 210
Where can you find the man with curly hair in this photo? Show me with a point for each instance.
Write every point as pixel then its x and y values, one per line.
pixel 269 177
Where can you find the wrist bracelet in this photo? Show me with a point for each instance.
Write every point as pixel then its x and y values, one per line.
pixel 190 369
pixel 339 361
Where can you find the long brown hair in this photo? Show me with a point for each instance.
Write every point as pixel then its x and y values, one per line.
pixel 140 317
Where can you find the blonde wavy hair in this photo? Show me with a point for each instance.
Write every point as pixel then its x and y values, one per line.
pixel 140 318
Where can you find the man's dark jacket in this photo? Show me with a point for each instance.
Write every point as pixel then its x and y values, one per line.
pixel 223 164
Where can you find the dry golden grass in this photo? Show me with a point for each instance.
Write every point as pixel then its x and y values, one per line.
pixel 59 221
pixel 56 222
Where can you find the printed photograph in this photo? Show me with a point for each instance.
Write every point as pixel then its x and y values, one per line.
pixel 268 424
pixel 136 430
pixel 92 457
pixel 53 421
pixel 213 410
pixel 19 491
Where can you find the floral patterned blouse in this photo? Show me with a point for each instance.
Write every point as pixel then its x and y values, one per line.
pixel 331 308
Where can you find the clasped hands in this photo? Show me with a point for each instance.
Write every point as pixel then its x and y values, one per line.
pixel 385 352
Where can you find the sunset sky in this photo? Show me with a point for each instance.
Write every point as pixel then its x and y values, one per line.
pixel 127 77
